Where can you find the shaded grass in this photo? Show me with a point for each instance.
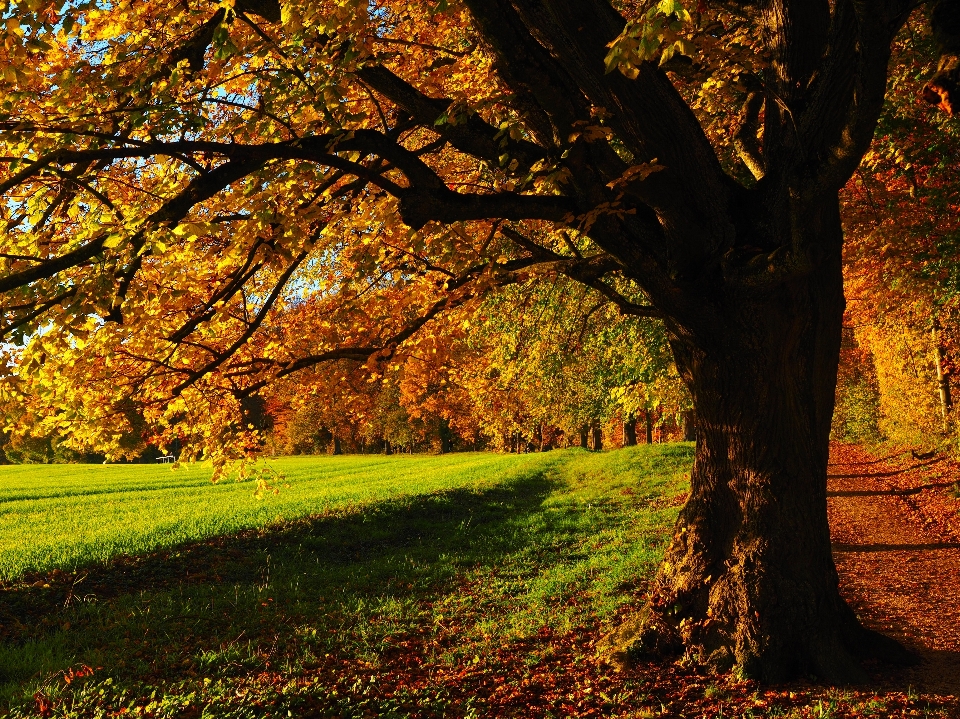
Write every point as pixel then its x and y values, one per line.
pixel 467 569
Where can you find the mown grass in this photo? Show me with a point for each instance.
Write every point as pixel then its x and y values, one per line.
pixel 426 570
pixel 77 514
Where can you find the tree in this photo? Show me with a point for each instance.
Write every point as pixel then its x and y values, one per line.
pixel 202 200
pixel 558 355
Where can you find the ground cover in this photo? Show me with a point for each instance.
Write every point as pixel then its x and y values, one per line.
pixel 481 594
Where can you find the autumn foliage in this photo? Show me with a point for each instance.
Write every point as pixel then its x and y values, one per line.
pixel 264 225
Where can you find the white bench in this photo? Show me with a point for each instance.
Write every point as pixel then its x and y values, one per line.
pixel 166 459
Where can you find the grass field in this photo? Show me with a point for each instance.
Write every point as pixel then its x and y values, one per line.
pixel 186 599
pixel 471 585
pixel 78 514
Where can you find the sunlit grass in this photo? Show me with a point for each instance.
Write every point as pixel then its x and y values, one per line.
pixel 64 516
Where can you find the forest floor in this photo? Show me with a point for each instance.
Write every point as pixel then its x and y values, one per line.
pixel 896 540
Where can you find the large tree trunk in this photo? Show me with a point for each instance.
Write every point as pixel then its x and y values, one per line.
pixel 749 579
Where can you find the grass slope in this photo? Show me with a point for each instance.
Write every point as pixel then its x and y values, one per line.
pixel 440 561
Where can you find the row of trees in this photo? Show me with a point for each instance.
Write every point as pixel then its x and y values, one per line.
pixel 902 219
pixel 533 365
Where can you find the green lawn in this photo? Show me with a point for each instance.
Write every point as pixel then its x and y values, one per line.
pixel 362 569
pixel 77 514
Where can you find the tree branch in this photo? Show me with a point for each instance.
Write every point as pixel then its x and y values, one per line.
pixel 586 270
pixel 36 312
pixel 248 333
pixel 198 190
pixel 842 108
pixel 418 207
pixel 647 114
pixel 745 138
pixel 472 135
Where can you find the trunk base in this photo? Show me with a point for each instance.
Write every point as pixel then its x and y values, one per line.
pixel 833 657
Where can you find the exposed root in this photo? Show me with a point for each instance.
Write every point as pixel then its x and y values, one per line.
pixel 832 656
pixel 641 638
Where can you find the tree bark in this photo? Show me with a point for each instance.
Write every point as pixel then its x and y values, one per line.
pixel 630 431
pixel 749 581
pixel 597 434
pixel 689 427
pixel 943 379
pixel 584 437
pixel 648 426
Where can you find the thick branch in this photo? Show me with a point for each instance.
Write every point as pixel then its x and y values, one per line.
pixel 842 109
pixel 472 136
pixel 647 114
pixel 797 32
pixel 545 94
pixel 745 139
pixel 418 207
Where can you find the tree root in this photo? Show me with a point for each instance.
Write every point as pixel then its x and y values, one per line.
pixel 833 656
pixel 645 637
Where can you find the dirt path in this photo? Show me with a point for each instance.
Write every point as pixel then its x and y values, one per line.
pixel 896 542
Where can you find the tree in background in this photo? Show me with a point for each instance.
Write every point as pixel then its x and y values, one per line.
pixel 558 356
pixel 201 201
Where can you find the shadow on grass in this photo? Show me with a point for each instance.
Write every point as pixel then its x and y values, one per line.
pixel 142 615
